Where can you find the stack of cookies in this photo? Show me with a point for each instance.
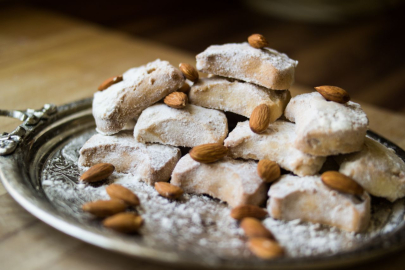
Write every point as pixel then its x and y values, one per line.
pixel 251 80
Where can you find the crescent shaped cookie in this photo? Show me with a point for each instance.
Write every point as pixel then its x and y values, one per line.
pixel 233 181
pixel 189 127
pixel 377 169
pixel 326 128
pixel 265 67
pixel 152 162
pixel 308 199
pixel 237 96
pixel 140 88
pixel 276 143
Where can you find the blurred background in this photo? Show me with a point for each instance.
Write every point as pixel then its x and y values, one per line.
pixel 357 45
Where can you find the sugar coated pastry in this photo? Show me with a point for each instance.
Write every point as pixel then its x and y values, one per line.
pixel 237 96
pixel 140 88
pixel 190 126
pixel 152 162
pixel 265 67
pixel 377 169
pixel 276 143
pixel 308 199
pixel 233 181
pixel 325 127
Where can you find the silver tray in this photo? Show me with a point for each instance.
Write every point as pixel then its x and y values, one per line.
pixel 38 151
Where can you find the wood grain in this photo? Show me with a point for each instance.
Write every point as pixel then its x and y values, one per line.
pixel 47 58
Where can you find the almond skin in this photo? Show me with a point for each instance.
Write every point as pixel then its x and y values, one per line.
pixel 168 190
pixel 268 170
pixel 208 153
pixel 97 172
pixel 260 118
pixel 265 248
pixel 189 72
pixel 254 228
pixel 243 211
pixel 257 41
pixel 341 182
pixel 122 193
pixel 104 208
pixel 333 93
pixel 110 81
pixel 185 88
pixel 124 222
pixel 177 100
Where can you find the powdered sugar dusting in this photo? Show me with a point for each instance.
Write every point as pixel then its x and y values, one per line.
pixel 199 223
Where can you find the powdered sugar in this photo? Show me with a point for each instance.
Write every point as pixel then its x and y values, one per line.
pixel 199 223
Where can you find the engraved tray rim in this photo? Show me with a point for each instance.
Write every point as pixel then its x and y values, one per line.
pixel 22 181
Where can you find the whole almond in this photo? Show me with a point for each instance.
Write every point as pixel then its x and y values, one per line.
pixel 104 208
pixel 254 228
pixel 260 118
pixel 97 172
pixel 122 193
pixel 268 170
pixel 168 190
pixel 185 88
pixel 333 93
pixel 110 81
pixel 265 248
pixel 177 100
pixel 208 153
pixel 257 41
pixel 189 72
pixel 341 182
pixel 124 222
pixel 243 211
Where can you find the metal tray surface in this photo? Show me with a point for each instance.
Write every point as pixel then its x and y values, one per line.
pixel 38 168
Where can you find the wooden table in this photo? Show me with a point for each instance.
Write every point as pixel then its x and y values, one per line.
pixel 46 58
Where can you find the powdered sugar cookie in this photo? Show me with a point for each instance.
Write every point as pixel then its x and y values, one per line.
pixel 152 162
pixel 190 126
pixel 140 88
pixel 276 143
pixel 265 67
pixel 237 96
pixel 325 127
pixel 233 181
pixel 308 199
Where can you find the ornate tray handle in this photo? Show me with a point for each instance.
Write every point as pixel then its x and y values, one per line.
pixel 30 118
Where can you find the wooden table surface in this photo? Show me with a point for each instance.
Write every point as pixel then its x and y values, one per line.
pixel 47 58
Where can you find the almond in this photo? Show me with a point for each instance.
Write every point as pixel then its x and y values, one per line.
pixel 189 72
pixel 208 153
pixel 333 93
pixel 185 88
pixel 243 211
pixel 124 222
pixel 257 41
pixel 265 248
pixel 254 228
pixel 176 100
pixel 268 170
pixel 168 190
pixel 104 208
pixel 122 193
pixel 341 182
pixel 260 118
pixel 98 172
pixel 110 81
